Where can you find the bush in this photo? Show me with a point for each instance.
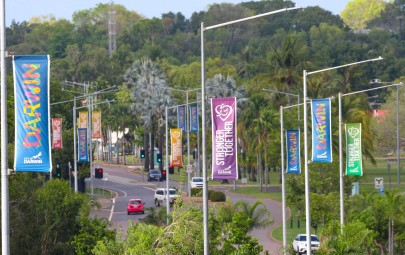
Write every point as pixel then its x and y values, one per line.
pixel 210 193
pixel 196 192
pixel 218 196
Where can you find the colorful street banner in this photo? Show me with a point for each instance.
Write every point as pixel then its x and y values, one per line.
pixel 194 118
pixel 181 117
pixel 354 165
pixel 83 116
pixel 57 133
pixel 96 124
pixel 224 138
pixel 82 145
pixel 176 140
pixel 293 151
pixel 321 130
pixel 32 114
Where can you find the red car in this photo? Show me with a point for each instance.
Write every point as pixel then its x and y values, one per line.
pixel 135 205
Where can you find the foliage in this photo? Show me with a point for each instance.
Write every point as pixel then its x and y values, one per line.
pixel 44 216
pixel 218 196
pixel 358 12
pixel 352 238
pixel 90 232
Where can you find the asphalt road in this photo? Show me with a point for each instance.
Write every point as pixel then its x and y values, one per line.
pixel 124 185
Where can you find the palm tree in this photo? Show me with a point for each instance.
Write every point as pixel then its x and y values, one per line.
pixel 257 212
pixel 145 80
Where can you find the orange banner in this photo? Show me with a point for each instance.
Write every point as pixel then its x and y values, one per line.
pixel 176 139
pixel 96 122
pixel 83 119
pixel 57 133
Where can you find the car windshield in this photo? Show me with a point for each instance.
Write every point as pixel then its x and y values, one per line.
pixel 154 171
pixel 313 238
pixel 197 180
pixel 172 192
pixel 134 202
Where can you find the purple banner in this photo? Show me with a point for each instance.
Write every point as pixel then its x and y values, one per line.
pixel 181 117
pixel 321 130
pixel 83 151
pixel 32 150
pixel 224 138
pixel 194 118
pixel 293 151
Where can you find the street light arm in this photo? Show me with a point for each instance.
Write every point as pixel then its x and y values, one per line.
pixel 251 17
pixel 351 64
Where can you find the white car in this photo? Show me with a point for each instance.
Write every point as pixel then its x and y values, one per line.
pixel 161 196
pixel 197 182
pixel 300 243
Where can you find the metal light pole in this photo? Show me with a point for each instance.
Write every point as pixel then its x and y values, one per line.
pixel 307 191
pixel 5 224
pixel 167 169
pixel 204 169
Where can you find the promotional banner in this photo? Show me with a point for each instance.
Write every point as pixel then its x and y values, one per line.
pixel 181 117
pixel 82 144
pixel 224 138
pixel 354 165
pixel 57 133
pixel 83 119
pixel 321 130
pixel 293 151
pixel 32 114
pixel 96 124
pixel 194 118
pixel 176 139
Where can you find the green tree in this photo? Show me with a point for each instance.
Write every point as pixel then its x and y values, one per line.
pixel 351 239
pixel 257 213
pixel 90 232
pixel 146 80
pixel 358 12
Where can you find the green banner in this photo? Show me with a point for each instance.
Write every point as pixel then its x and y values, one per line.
pixel 354 165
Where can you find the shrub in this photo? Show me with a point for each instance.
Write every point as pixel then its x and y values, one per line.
pixel 196 192
pixel 218 196
pixel 210 193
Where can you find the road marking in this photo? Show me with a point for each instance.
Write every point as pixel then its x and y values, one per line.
pixel 112 211
pixel 149 188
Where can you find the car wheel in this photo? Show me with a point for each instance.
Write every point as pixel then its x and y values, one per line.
pixel 143 212
pixel 128 213
pixel 157 203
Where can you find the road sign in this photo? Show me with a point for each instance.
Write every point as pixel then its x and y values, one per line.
pixel 189 169
pixel 378 183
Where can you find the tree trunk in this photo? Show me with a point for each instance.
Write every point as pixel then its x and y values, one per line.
pixel 152 145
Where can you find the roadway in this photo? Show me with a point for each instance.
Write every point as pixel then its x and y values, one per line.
pixel 125 184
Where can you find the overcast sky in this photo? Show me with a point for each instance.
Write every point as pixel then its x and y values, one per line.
pixel 23 10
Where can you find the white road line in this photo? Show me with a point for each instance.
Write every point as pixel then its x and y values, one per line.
pixel 149 188
pixel 112 210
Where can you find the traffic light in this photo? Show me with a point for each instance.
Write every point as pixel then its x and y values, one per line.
pixel 142 153
pixel 99 173
pixel 159 157
pixel 58 171
pixel 163 174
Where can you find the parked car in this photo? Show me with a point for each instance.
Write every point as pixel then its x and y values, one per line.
pixel 135 206
pixel 197 182
pixel 300 243
pixel 161 195
pixel 154 175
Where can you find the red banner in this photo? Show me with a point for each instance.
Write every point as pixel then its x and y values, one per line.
pixel 57 133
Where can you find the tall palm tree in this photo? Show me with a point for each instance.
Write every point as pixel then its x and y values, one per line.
pixel 146 79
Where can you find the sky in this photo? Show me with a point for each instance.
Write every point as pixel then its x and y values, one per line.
pixel 23 10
